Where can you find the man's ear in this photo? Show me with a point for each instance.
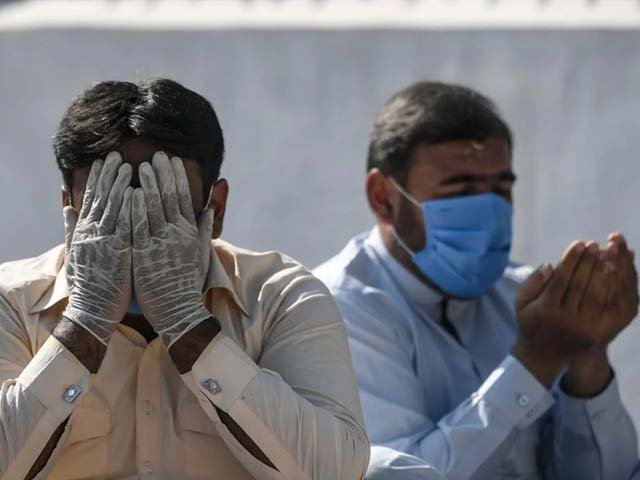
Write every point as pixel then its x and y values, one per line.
pixel 218 201
pixel 380 194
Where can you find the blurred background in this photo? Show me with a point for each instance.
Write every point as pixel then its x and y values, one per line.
pixel 297 83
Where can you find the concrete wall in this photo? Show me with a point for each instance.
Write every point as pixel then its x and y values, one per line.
pixel 296 108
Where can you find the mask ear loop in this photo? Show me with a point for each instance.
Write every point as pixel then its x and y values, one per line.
pixel 401 242
pixel 404 193
pixel 408 196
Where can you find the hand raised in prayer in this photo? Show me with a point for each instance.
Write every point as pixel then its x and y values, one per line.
pixel 562 312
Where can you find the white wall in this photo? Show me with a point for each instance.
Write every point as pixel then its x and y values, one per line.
pixel 296 108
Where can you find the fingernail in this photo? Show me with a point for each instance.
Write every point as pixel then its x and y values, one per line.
pixel 593 248
pixel 579 247
pixel 160 154
pixel 113 156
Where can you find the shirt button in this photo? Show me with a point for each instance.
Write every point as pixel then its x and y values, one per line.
pixel 523 400
pixel 212 386
pixel 71 393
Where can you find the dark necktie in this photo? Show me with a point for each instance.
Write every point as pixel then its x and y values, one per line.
pixel 446 323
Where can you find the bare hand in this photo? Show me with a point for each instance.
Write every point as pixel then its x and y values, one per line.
pixel 590 373
pixel 561 312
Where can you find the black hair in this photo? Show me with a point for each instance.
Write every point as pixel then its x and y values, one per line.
pixel 160 111
pixel 429 113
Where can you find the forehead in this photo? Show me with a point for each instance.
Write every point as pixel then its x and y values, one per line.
pixel 135 152
pixel 434 162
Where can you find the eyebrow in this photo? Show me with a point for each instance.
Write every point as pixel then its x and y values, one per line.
pixel 504 176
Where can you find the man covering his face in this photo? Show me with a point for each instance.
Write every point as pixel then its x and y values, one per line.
pixel 470 366
pixel 146 347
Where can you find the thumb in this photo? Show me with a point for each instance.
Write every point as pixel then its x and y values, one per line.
pixel 534 285
pixel 70 221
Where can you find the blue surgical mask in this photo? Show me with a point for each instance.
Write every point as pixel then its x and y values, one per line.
pixel 468 241
pixel 133 306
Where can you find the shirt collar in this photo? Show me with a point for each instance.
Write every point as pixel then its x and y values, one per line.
pixel 218 277
pixel 417 291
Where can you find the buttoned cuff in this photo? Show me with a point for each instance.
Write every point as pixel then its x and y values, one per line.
pixel 56 378
pixel 516 393
pixel 585 415
pixel 222 372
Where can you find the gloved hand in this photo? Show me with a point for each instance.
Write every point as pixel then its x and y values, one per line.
pixel 171 251
pixel 98 249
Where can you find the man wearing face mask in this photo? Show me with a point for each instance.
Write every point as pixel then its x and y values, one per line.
pixel 147 347
pixel 470 366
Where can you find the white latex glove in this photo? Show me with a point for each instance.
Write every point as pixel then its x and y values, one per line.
pixel 170 250
pixel 98 249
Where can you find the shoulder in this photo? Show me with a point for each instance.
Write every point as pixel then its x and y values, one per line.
pixel 24 282
pixel 256 267
pixel 355 278
pixel 263 278
pixel 354 269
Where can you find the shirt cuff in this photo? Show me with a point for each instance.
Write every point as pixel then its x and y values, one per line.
pixel 516 393
pixel 56 378
pixel 585 415
pixel 222 372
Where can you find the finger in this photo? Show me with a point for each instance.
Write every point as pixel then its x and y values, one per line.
pixel 70 221
pixel 534 286
pixel 578 287
pixel 112 210
pixel 564 271
pixel 618 245
pixel 123 225
pixel 139 220
pixel 205 229
pixel 619 255
pixel 183 191
pixel 107 176
pixel 600 289
pixel 616 237
pixel 205 226
pixel 90 188
pixel 155 211
pixel 167 183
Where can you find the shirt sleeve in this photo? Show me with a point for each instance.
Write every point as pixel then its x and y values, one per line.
pixel 299 403
pixel 592 439
pixel 395 401
pixel 37 394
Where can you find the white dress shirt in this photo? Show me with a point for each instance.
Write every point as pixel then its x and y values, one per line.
pixel 464 406
pixel 280 369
